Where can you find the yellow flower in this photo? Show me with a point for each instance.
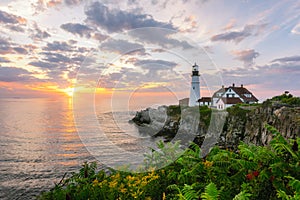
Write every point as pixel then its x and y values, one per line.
pixel 208 163
pixel 102 183
pixel 113 184
pixel 95 182
pixel 123 190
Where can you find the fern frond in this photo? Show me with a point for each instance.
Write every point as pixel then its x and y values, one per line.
pixel 243 195
pixel 189 193
pixel 211 192
pixel 294 183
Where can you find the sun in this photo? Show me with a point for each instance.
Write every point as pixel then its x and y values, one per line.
pixel 69 91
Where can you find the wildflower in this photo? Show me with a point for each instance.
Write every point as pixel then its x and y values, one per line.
pixel 95 182
pixel 123 190
pixel 255 173
pixel 249 176
pixel 208 163
pixel 113 184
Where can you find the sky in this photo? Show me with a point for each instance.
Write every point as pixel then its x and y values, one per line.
pixel 134 48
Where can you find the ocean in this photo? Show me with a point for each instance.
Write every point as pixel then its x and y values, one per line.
pixel 39 142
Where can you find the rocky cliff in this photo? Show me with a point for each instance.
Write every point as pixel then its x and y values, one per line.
pixel 226 128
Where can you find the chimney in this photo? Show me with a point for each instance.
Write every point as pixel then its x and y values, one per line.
pixel 242 85
pixel 233 84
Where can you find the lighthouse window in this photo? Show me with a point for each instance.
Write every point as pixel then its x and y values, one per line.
pixel 193 88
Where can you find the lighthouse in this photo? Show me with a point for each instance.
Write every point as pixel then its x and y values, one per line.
pixel 195 87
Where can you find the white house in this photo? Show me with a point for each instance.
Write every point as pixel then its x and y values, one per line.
pixel 226 97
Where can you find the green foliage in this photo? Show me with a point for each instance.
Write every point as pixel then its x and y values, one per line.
pixel 294 101
pixel 250 173
pixel 282 97
pixel 237 111
pixel 285 98
pixel 173 110
pixel 205 115
pixel 211 192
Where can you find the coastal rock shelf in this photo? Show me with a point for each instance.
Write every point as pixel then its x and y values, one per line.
pixel 236 124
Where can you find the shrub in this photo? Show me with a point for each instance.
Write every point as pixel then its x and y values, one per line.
pixel 252 172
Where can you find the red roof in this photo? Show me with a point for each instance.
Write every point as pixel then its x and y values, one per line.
pixel 241 91
pixel 205 99
pixel 231 100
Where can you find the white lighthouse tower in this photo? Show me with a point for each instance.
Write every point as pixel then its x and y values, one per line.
pixel 195 86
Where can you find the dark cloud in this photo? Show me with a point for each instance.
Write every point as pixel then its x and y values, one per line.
pixel 287 59
pixel 77 29
pixel 155 69
pixel 20 50
pixel 42 64
pixel 118 20
pixel 270 77
pixel 58 46
pixel 16 28
pixel 238 36
pixel 7 18
pixel 38 34
pixel 4 60
pixel 246 56
pixel 155 64
pixel 73 2
pixel 161 37
pixel 7 47
pixel 122 47
pixel 56 58
pixel 13 74
pixel 83 31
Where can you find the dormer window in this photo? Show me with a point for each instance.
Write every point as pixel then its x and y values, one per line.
pixel 248 95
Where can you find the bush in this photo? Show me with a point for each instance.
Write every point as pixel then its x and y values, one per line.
pixel 253 172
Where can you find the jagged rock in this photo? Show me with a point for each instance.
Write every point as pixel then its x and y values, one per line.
pixel 245 125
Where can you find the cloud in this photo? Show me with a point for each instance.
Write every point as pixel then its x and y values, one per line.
pixel 58 46
pixel 246 56
pixel 4 60
pixel 162 37
pixel 156 70
pixel 7 47
pixel 230 25
pixel 238 36
pixel 20 50
pixel 83 31
pixel 16 28
pixel 296 29
pixel 56 58
pixel 42 64
pixel 7 18
pixel 155 64
pixel 275 76
pixel 73 2
pixel 287 59
pixel 79 29
pixel 38 34
pixel 118 20
pixel 122 47
pixel 13 74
